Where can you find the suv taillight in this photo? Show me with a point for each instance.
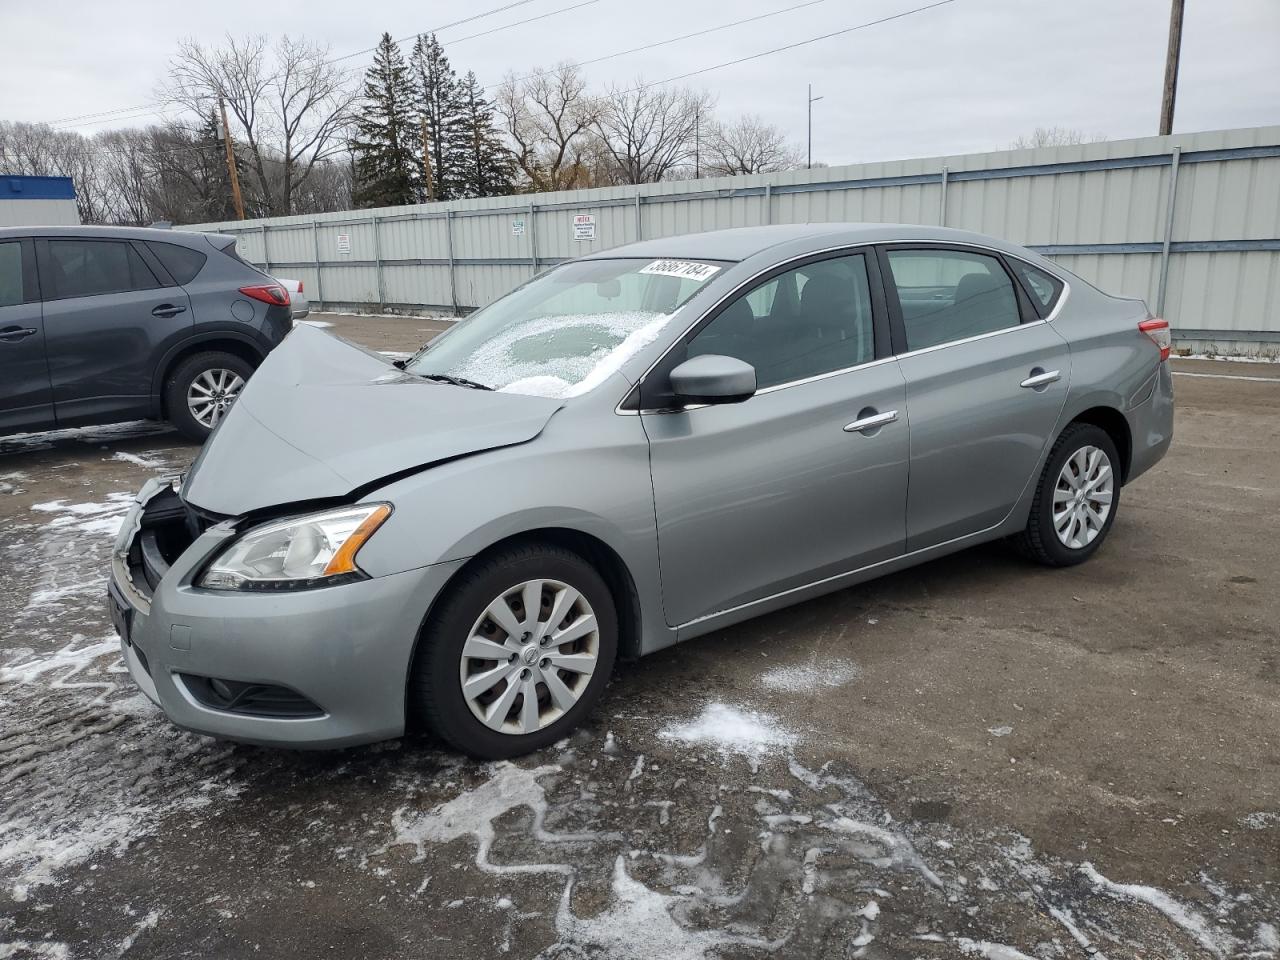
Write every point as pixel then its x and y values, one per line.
pixel 1160 334
pixel 299 286
pixel 271 293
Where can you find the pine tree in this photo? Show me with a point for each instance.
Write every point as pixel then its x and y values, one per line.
pixel 486 166
pixel 440 105
pixel 385 143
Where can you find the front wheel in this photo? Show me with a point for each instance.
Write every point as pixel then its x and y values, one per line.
pixel 202 389
pixel 1076 501
pixel 517 653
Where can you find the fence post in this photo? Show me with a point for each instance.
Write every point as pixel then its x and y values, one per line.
pixel 448 232
pixel 1169 209
pixel 266 257
pixel 377 264
pixel 768 203
pixel 315 249
pixel 639 221
pixel 533 238
pixel 942 204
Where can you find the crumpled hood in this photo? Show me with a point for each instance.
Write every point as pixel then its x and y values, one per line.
pixel 322 417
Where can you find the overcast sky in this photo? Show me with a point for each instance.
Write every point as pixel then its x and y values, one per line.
pixel 970 75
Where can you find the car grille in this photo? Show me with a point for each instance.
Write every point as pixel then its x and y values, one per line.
pixel 168 526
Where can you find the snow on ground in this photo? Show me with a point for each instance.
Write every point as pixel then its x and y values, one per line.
pixel 731 730
pixel 96 518
pixel 809 677
pixel 1217 942
pixel 89 435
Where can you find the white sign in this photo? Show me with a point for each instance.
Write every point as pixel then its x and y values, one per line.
pixel 517 227
pixel 685 269
pixel 584 226
pixel 344 244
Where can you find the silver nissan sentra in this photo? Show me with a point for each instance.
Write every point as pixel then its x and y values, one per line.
pixel 630 450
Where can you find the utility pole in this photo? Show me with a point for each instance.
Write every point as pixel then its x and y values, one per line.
pixel 697 142
pixel 231 161
pixel 426 161
pixel 812 101
pixel 1171 68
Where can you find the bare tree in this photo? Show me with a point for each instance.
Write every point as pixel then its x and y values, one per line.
pixel 1055 137
pixel 548 116
pixel 37 149
pixel 125 163
pixel 648 132
pixel 291 105
pixel 749 146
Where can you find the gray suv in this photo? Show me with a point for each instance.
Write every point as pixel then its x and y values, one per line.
pixel 104 324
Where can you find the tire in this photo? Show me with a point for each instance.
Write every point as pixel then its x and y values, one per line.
pixel 1060 543
pixel 203 373
pixel 437 697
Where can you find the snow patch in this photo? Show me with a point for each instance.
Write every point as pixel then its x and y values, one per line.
pixel 1216 942
pixel 806 677
pixel 991 951
pixel 1002 731
pixel 733 731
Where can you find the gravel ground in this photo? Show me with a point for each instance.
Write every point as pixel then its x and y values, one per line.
pixel 976 758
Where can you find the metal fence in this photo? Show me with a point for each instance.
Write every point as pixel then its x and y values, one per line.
pixel 1190 223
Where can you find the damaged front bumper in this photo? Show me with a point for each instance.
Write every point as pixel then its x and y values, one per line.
pixel 325 667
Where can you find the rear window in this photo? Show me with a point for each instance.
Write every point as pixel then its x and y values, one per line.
pixel 183 263
pixel 1043 287
pixel 84 268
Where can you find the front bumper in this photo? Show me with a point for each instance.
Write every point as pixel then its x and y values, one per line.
pixel 344 650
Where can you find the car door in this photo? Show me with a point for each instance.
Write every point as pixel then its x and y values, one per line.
pixel 107 315
pixel 26 399
pixel 986 381
pixel 807 478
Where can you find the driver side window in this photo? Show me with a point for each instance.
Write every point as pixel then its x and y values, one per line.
pixel 805 322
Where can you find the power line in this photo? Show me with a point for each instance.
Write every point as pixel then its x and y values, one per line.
pixel 792 46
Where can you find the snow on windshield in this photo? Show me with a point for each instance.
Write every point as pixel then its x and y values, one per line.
pixel 560 356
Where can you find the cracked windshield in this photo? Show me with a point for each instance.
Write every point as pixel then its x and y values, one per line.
pixel 566 331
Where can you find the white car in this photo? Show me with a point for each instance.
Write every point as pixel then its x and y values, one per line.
pixel 297 299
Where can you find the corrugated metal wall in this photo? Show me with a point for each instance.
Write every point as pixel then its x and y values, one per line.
pixel 1102 210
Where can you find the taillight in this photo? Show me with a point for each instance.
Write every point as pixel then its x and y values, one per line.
pixel 1160 334
pixel 271 293
pixel 299 286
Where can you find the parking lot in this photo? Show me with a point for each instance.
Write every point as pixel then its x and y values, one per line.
pixel 978 757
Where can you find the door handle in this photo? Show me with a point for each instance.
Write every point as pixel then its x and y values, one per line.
pixel 167 310
pixel 15 333
pixel 871 422
pixel 1041 379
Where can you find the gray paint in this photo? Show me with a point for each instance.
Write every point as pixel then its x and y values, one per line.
pixel 718 513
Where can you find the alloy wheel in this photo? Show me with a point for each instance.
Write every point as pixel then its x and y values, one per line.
pixel 1082 497
pixel 211 394
pixel 530 656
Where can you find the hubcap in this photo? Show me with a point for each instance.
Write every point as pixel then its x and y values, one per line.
pixel 211 394
pixel 1082 497
pixel 529 656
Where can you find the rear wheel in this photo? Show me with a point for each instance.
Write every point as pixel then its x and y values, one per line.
pixel 202 389
pixel 1076 501
pixel 517 652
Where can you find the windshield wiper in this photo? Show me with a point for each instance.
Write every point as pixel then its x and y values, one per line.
pixel 456 381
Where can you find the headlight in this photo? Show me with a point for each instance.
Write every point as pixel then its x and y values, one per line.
pixel 311 551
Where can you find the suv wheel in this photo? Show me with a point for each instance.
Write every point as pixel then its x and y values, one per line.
pixel 1076 501
pixel 517 652
pixel 201 390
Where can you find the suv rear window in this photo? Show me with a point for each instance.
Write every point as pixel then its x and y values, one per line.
pixel 10 273
pixel 183 263
pixel 83 268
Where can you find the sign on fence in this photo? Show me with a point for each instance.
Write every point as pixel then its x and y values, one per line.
pixel 584 226
pixel 344 244
pixel 517 227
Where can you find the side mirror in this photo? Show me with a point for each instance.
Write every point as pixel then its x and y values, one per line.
pixel 713 379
